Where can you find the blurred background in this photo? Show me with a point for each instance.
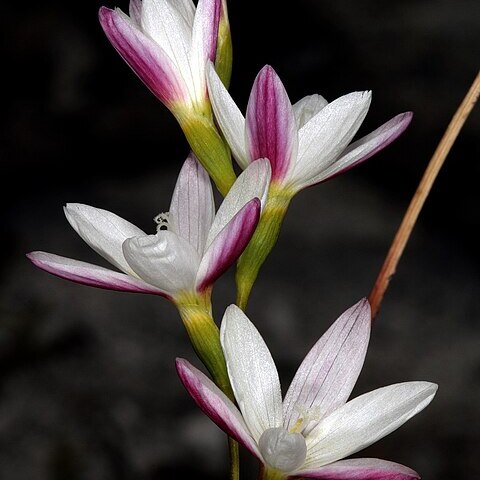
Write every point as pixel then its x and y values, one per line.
pixel 88 388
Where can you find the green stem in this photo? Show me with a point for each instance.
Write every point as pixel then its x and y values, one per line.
pixel 196 314
pixel 210 148
pixel 262 243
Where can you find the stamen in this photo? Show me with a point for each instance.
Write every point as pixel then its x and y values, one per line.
pixel 305 416
pixel 162 221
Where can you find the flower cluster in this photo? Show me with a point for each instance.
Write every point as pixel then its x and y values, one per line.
pixel 183 53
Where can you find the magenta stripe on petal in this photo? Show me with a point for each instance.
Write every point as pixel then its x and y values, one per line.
pixel 271 127
pixel 361 469
pixel 228 244
pixel 215 404
pixel 91 275
pixel 146 58
pixel 364 148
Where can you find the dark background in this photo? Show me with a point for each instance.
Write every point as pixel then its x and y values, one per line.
pixel 87 384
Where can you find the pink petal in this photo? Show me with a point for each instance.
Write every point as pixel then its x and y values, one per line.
pixel 327 375
pixel 192 208
pixel 270 123
pixel 215 404
pixel 144 56
pixel 92 275
pixel 365 147
pixel 228 244
pixel 361 469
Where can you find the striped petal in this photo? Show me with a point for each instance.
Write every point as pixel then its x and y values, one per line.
pixel 326 377
pixel 192 208
pixel 168 27
pixel 364 148
pixel 104 231
pixel 326 135
pixel 252 372
pixel 145 57
pixel 204 42
pixel 361 469
pixel 229 117
pixel 165 260
pixel 92 275
pixel 306 108
pixel 228 245
pixel 364 420
pixel 215 404
pixel 271 128
pixel 253 182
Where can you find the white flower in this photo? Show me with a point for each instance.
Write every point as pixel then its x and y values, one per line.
pixel 314 428
pixel 306 143
pixel 187 257
pixel 167 43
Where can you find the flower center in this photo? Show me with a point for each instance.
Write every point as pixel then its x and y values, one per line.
pixel 162 221
pixel 283 450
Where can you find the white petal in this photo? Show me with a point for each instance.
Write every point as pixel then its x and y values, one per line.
pixel 165 260
pixel 327 134
pixel 252 372
pixel 306 108
pixel 251 183
pixel 327 375
pixel 169 27
pixel 192 208
pixel 104 231
pixel 135 11
pixel 229 117
pixel 364 420
pixel 204 42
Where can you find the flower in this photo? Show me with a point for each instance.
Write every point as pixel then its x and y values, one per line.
pixel 168 43
pixel 306 143
pixel 314 428
pixel 188 252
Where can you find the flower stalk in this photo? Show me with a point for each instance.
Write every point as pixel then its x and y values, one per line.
pixel 404 232
pixel 204 334
pixel 262 242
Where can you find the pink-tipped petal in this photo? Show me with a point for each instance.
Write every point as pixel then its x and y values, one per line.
pixel 364 420
pixel 271 128
pixel 215 404
pixel 228 244
pixel 365 147
pixel 204 42
pixel 165 260
pixel 252 372
pixel 361 469
pixel 92 275
pixel 104 231
pixel 165 22
pixel 253 182
pixel 229 117
pixel 192 209
pixel 327 375
pixel 327 134
pixel 145 57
